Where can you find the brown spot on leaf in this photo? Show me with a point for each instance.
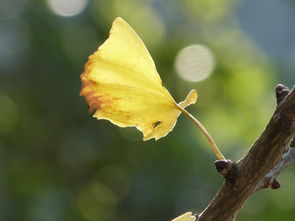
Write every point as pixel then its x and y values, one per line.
pixel 157 123
pixel 88 91
pixel 95 99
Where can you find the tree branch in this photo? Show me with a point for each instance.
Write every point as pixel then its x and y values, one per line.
pixel 270 178
pixel 264 159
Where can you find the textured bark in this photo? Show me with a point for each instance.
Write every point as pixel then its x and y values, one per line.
pixel 245 175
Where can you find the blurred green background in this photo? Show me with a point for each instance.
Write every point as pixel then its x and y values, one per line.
pixel 58 163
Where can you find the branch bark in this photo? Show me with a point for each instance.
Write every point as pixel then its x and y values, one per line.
pixel 264 160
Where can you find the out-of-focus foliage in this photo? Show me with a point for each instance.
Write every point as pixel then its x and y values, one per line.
pixel 58 163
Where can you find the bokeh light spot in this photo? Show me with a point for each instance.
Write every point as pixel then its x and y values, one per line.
pixel 96 202
pixel 194 63
pixel 116 179
pixel 67 7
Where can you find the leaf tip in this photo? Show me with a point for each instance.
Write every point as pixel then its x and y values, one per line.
pixel 191 98
pixel 188 216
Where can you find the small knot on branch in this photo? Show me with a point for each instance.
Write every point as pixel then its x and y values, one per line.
pixel 227 169
pixel 269 182
pixel 223 166
pixel 275 184
pixel 281 92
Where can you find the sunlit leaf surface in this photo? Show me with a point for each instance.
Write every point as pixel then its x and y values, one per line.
pixel 185 217
pixel 121 84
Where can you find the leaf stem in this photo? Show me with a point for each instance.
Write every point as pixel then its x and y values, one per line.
pixel 205 132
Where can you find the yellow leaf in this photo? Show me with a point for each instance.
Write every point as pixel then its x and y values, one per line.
pixel 121 84
pixel 185 217
pixel 190 99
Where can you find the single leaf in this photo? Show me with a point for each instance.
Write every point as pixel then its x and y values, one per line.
pixel 185 217
pixel 121 84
